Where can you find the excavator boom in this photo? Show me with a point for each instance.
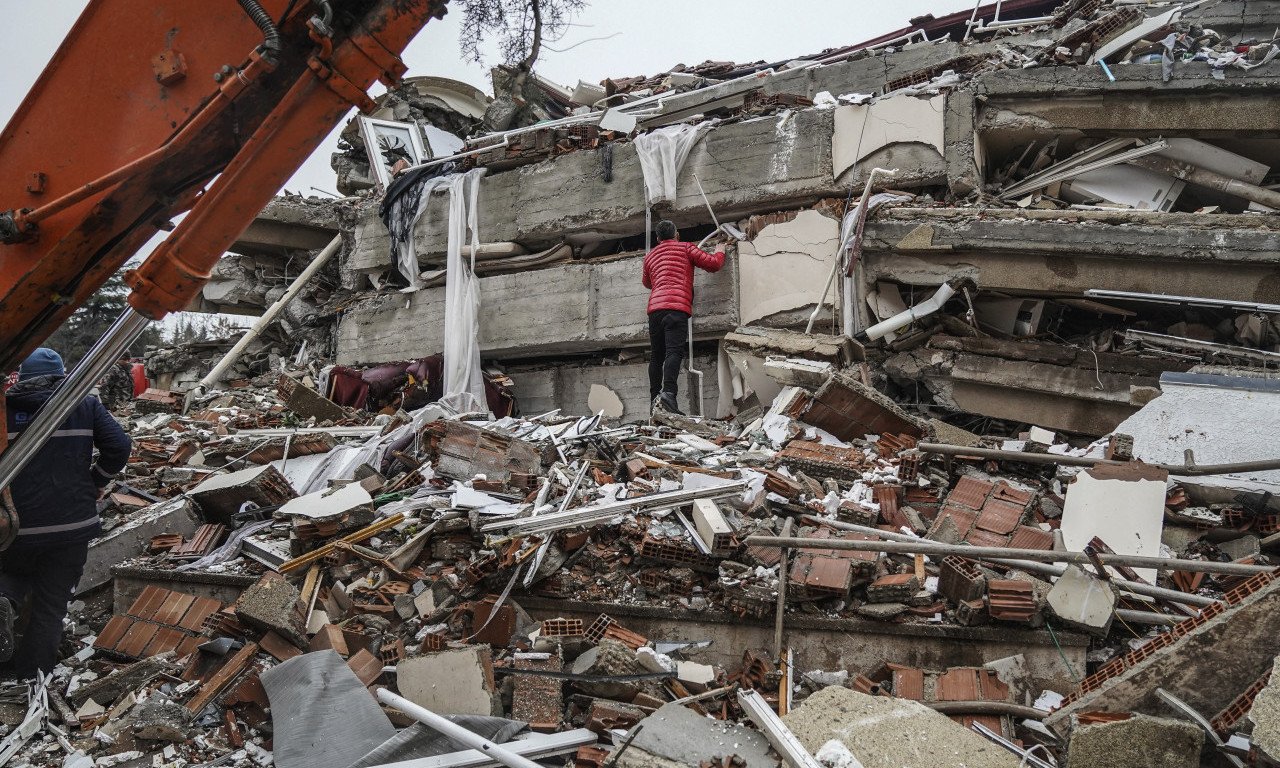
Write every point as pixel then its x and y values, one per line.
pixel 148 110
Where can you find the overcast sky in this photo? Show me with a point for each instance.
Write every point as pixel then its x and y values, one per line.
pixel 643 39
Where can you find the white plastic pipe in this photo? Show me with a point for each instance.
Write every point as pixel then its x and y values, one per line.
pixel 902 319
pixel 270 315
pixel 455 731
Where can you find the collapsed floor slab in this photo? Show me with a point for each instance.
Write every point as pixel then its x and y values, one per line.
pixel 563 309
pixel 834 644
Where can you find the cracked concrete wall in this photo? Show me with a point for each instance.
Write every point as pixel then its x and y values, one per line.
pixel 564 309
pixel 782 271
pixel 903 132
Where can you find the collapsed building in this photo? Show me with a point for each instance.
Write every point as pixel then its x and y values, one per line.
pixel 984 137
pixel 899 512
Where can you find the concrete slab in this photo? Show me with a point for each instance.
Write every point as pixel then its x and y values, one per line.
pixel 1222 257
pixel 1096 495
pixel 567 308
pixel 568 386
pixel 133 538
pixel 1222 419
pixel 678 734
pixel 775 165
pixel 1265 716
pixel 1232 650
pixel 855 644
pixel 887 732
pixel 328 505
pixel 1139 742
pixel 127 582
pixel 453 682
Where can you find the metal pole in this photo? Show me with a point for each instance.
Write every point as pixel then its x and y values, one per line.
pixel 986 708
pixel 1147 617
pixel 71 392
pixel 924 547
pixel 1047 569
pixel 269 316
pixel 454 731
pixel 943 449
pixel 782 592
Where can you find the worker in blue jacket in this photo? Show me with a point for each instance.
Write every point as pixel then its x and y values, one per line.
pixel 56 498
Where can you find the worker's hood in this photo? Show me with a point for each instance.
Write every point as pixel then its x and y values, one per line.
pixel 34 391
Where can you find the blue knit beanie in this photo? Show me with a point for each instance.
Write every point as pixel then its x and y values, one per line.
pixel 42 362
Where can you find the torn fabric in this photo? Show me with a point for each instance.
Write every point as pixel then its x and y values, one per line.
pixel 662 154
pixel 403 205
pixel 463 379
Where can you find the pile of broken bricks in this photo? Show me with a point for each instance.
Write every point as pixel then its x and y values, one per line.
pixel 388 571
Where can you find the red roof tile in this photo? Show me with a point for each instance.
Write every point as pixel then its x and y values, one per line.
pixel 970 492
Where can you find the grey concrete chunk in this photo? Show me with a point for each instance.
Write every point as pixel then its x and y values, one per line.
pixel 885 732
pixel 1083 601
pixel 1139 742
pixel 677 734
pixel 1265 716
pixel 133 538
pixel 453 682
pixel 273 604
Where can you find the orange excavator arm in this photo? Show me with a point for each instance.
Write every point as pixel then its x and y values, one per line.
pixel 151 109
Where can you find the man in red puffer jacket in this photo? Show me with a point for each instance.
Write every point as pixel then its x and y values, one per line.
pixel 668 273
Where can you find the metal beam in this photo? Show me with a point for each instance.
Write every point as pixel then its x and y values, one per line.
pixel 925 547
pixel 602 512
pixel 536 746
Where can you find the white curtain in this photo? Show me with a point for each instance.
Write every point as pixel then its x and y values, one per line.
pixel 463 380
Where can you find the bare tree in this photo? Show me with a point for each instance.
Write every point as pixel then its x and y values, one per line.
pixel 520 28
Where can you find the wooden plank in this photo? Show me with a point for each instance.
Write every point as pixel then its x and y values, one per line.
pixel 360 535
pixel 234 666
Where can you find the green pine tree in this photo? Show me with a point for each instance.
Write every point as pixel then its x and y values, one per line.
pixel 75 337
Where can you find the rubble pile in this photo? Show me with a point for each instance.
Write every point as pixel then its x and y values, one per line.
pixel 1019 513
pixel 408 553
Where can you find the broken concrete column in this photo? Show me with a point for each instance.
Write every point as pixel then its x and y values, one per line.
pixel 1138 742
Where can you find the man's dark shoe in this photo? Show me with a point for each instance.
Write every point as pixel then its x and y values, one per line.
pixel 6 630
pixel 668 402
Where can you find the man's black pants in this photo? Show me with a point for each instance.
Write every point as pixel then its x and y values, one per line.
pixel 668 336
pixel 49 573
